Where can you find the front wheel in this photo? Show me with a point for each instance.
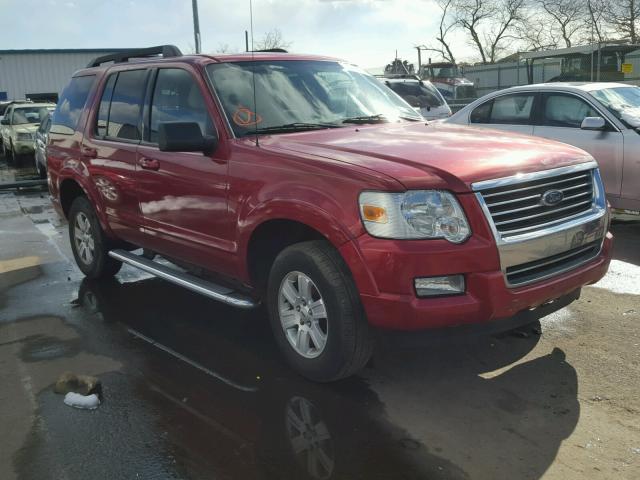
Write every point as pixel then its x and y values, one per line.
pixel 316 314
pixel 88 241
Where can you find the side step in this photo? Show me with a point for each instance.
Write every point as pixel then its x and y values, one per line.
pixel 190 282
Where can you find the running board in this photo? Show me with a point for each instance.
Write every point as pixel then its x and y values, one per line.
pixel 190 282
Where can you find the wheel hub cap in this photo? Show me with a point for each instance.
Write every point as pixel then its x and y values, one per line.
pixel 303 314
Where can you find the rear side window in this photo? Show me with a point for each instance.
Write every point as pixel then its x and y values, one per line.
pixel 74 96
pixel 120 107
pixel 177 98
pixel 512 109
pixel 482 113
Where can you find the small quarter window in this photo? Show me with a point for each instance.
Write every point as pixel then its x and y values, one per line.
pixel 105 103
pixel 74 96
pixel 481 114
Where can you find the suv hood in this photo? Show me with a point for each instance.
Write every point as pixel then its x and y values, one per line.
pixel 30 128
pixel 434 155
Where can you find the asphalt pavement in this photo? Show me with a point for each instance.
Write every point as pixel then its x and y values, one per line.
pixel 193 389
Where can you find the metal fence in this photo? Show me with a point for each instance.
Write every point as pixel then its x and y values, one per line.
pixel 490 78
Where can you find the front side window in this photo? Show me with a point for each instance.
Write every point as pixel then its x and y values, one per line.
pixel 126 105
pixel 177 98
pixel 302 94
pixel 560 110
pixel 74 96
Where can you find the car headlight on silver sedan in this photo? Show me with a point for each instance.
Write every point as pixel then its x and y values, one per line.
pixel 415 214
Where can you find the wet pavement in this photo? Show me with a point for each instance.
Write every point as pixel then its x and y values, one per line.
pixel 193 389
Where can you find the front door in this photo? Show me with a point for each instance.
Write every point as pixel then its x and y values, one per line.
pixel 561 116
pixel 183 195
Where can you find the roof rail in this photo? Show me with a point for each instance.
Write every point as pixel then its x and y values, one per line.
pixel 166 51
pixel 271 50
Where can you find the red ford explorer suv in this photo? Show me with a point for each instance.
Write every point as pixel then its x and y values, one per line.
pixel 303 183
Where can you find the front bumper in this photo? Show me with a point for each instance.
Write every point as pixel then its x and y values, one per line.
pixel 24 147
pixel 487 297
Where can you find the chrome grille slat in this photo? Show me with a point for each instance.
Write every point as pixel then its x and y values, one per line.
pixel 541 225
pixel 571 253
pixel 489 195
pixel 529 207
pixel 550 212
pixel 537 195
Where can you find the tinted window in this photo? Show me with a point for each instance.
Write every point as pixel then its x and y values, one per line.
pixel 105 102
pixel 177 98
pixel 74 96
pixel 565 111
pixel 417 94
pixel 512 109
pixel 126 103
pixel 481 114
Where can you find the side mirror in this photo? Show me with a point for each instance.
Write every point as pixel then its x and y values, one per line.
pixel 184 137
pixel 4 121
pixel 593 123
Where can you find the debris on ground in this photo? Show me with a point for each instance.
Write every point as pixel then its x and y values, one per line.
pixel 85 402
pixel 81 384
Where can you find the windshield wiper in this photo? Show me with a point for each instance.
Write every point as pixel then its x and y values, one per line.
pixel 378 118
pixel 293 127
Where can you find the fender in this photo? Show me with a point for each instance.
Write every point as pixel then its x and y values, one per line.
pixel 76 171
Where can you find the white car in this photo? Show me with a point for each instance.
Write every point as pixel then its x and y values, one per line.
pixel 421 95
pixel 19 126
pixel 601 118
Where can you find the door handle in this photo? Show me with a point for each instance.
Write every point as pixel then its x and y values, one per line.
pixel 89 152
pixel 149 163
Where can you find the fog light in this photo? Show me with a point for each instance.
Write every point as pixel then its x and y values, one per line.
pixel 435 286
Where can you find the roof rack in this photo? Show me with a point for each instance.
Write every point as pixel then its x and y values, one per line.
pixel 271 50
pixel 166 51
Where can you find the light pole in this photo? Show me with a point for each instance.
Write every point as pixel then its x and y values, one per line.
pixel 196 25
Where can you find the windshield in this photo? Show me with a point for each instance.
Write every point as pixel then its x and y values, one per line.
pixel 417 94
pixel 28 115
pixel 302 94
pixel 623 102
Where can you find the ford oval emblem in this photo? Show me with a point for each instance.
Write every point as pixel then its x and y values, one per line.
pixel 551 198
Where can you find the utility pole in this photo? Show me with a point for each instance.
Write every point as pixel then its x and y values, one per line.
pixel 196 25
pixel 246 41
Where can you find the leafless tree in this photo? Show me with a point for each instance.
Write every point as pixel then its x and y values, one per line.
pixel 596 10
pixel 568 18
pixel 447 24
pixel 272 39
pixel 489 23
pixel 535 33
pixel 624 17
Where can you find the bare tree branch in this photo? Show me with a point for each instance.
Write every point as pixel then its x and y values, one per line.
pixel 272 39
pixel 624 16
pixel 568 17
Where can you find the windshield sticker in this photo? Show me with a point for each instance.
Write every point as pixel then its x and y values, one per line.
pixel 244 117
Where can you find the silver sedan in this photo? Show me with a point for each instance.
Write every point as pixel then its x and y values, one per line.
pixel 601 118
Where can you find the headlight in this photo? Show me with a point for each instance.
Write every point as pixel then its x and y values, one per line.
pixel 414 214
pixel 24 136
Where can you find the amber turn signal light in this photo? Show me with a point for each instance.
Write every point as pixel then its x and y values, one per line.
pixel 372 213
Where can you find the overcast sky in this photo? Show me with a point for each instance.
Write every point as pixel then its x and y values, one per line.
pixel 366 32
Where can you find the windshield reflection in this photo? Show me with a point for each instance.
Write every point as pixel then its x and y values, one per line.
pixel 623 102
pixel 302 95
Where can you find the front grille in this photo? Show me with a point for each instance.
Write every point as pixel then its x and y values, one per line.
pixel 517 208
pixel 553 265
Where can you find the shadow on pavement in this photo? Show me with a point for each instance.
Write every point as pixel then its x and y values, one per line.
pixel 626 246
pixel 223 405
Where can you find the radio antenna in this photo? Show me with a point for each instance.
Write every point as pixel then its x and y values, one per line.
pixel 253 76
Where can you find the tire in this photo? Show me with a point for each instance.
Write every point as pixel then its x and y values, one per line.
pixel 322 344
pixel 90 247
pixel 9 155
pixel 40 168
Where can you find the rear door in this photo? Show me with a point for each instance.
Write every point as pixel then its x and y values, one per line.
pixel 110 149
pixel 561 115
pixel 513 112
pixel 183 195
